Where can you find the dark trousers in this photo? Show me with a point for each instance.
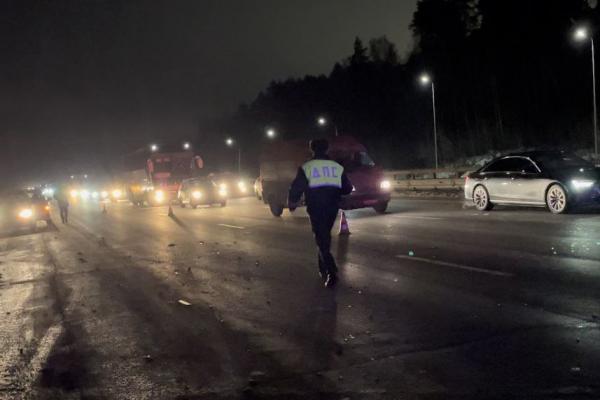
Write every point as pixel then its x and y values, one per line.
pixel 64 213
pixel 322 220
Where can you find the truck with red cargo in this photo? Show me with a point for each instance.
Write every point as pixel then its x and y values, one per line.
pixel 153 176
pixel 280 160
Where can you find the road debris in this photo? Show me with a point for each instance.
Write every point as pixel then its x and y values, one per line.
pixel 148 358
pixel 183 302
pixel 171 245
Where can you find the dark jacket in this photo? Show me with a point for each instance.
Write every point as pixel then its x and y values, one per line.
pixel 321 197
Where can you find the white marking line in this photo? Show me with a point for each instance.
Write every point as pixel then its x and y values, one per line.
pixel 457 266
pixel 415 217
pixel 232 226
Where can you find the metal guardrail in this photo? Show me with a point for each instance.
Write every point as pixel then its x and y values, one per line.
pixel 427 179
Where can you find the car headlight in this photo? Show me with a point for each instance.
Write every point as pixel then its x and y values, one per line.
pixel 116 194
pixel 26 213
pixel 222 192
pixel 580 184
pixel 196 194
pixel 242 186
pixel 104 194
pixel 74 193
pixel 385 185
pixel 95 195
pixel 159 195
pixel 84 194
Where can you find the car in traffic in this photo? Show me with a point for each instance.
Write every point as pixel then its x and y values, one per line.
pixel 235 184
pixel 557 180
pixel 201 191
pixel 258 188
pixel 19 210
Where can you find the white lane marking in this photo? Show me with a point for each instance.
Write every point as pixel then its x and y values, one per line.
pixel 232 226
pixel 415 217
pixel 457 266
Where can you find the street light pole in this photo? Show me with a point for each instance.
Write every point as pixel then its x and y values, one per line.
pixel 426 80
pixel 595 108
pixel 434 125
pixel 582 33
pixel 230 142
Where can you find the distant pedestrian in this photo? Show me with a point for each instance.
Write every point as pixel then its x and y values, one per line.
pixel 62 199
pixel 323 182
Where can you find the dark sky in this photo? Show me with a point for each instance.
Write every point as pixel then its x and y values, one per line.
pixel 83 75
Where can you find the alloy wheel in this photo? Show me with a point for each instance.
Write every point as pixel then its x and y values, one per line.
pixel 556 199
pixel 481 198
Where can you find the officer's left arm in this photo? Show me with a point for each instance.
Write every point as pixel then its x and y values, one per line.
pixel 346 185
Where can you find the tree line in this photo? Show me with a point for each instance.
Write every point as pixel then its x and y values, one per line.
pixel 507 74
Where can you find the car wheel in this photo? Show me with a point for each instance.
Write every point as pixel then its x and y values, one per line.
pixel 481 199
pixel 276 208
pixel 556 199
pixel 380 208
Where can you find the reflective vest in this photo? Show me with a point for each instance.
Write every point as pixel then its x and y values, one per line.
pixel 323 173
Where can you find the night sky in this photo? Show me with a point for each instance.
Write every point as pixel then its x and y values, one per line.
pixel 82 78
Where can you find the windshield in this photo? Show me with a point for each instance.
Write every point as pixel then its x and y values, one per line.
pixel 562 161
pixel 359 159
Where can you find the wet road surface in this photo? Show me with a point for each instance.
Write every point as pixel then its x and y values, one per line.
pixel 435 301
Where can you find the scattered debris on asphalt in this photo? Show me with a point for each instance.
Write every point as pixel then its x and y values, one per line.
pixel 82 260
pixel 148 358
pixel 183 302
pixel 171 245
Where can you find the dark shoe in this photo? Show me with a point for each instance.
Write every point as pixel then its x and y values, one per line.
pixel 331 280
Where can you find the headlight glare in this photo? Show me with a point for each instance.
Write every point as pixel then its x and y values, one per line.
pixel 159 195
pixel 26 213
pixel 196 194
pixel 580 184
pixel 385 185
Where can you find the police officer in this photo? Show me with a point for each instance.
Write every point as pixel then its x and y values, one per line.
pixel 323 182
pixel 62 199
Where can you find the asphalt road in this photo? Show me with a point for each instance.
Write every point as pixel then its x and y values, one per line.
pixel 435 301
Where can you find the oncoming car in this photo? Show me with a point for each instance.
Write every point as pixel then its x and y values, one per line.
pixel 554 179
pixel 201 191
pixel 18 209
pixel 235 184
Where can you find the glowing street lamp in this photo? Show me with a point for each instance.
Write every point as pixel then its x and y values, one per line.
pixel 271 133
pixel 230 142
pixel 187 146
pixel 582 34
pixel 153 147
pixel 426 80
pixel 322 121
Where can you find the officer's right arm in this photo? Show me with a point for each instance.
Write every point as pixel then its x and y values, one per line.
pixel 299 185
